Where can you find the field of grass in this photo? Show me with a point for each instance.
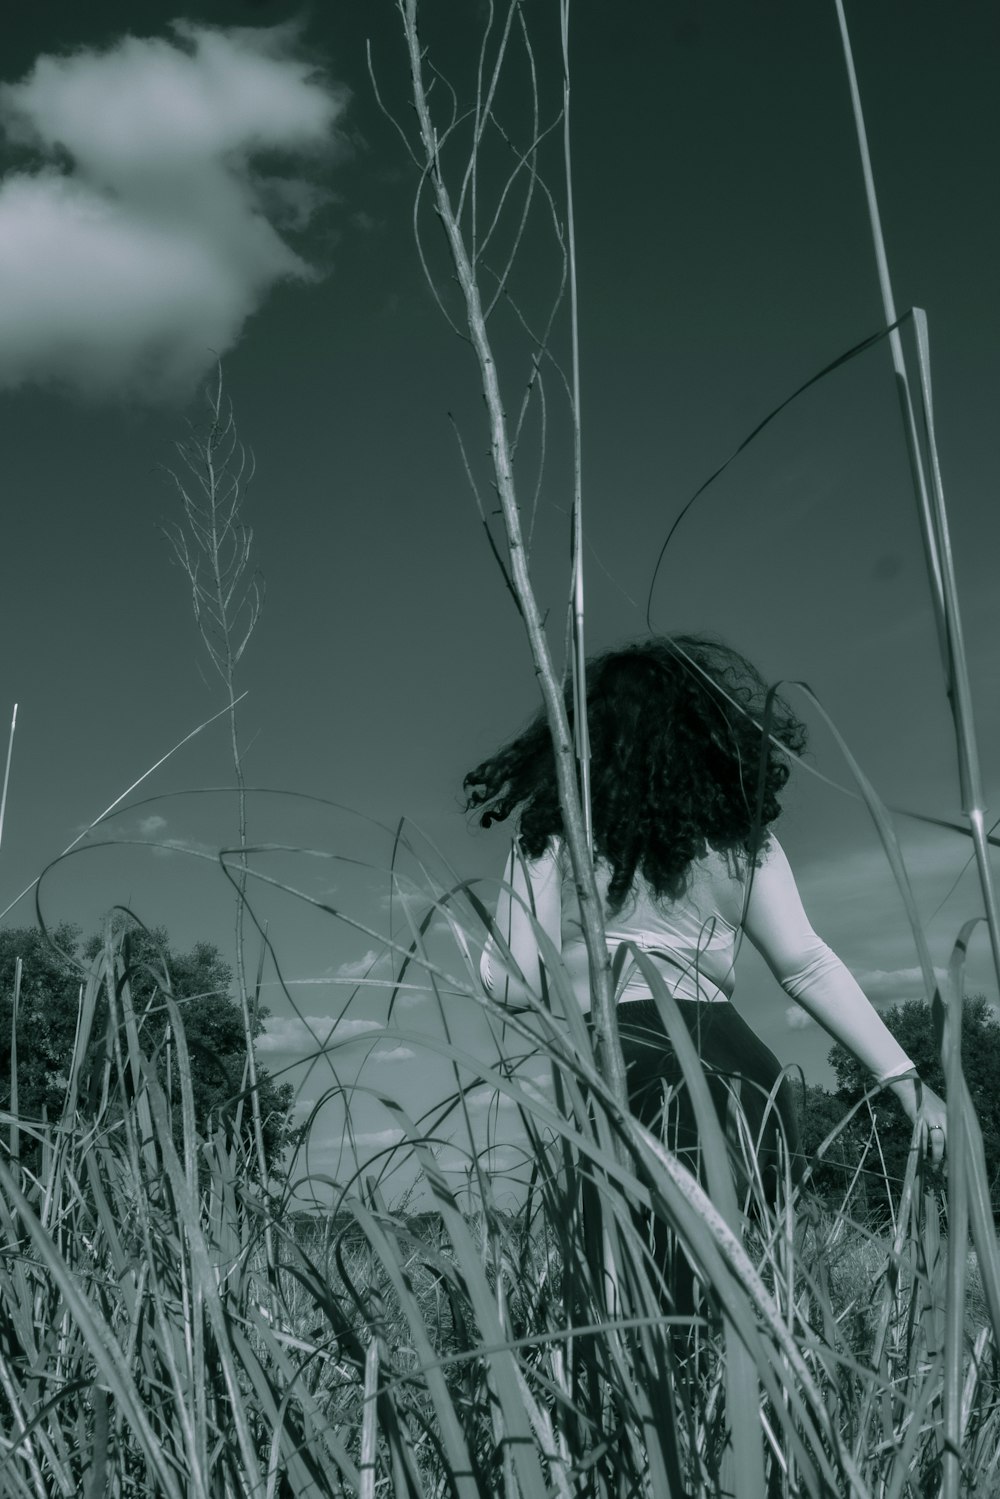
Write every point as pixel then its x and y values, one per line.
pixel 155 1340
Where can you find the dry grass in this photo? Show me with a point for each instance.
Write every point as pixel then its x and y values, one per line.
pixel 150 1350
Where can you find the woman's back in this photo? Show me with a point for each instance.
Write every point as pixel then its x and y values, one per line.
pixel 695 939
pixel 692 940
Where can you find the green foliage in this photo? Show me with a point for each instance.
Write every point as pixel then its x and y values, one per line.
pixel 821 1114
pixel 199 981
pixel 883 1166
pixel 49 1003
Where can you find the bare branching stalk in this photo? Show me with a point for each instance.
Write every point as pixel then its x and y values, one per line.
pixel 213 543
pixel 460 244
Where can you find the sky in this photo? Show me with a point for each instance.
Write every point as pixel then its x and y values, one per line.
pixel 219 184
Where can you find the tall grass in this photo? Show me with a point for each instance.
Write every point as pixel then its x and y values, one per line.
pixel 965 1195
pixel 149 1348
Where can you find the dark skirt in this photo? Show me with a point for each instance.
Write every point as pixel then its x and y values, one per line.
pixel 738 1066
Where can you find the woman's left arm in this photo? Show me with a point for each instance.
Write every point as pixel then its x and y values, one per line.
pixel 812 974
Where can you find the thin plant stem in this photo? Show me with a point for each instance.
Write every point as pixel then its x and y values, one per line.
pixel 934 521
pixel 15 1132
pixel 6 773
pixel 580 730
pixel 956 664
pixel 947 617
pixel 226 608
pixel 119 799
pixel 895 341
pixel 576 838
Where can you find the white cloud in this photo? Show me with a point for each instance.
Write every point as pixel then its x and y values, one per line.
pixel 797 1018
pixel 133 255
pixel 492 1157
pixel 167 848
pixel 895 983
pixel 306 1033
pixel 150 826
pixel 375 1137
pixel 487 1099
pixel 358 968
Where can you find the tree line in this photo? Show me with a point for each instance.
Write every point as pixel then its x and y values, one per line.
pixel 200 981
pixel 821 1110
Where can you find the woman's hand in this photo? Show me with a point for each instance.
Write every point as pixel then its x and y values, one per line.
pixel 934 1117
pixel 924 1107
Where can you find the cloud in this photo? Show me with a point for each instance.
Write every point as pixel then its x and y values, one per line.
pixel 797 1018
pixel 492 1157
pixel 359 967
pixel 375 1137
pixel 489 1100
pixel 134 252
pixel 894 983
pixel 167 848
pixel 485 1098
pixel 150 826
pixel 308 1032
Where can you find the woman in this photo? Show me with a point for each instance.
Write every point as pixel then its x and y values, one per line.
pixel 685 862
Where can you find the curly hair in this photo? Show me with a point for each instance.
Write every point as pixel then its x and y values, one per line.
pixel 678 763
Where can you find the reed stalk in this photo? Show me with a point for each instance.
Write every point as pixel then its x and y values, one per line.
pixel 6 771
pixel 15 1127
pixel 500 449
pixel 579 656
pixel 114 805
pixel 213 538
pixel 947 616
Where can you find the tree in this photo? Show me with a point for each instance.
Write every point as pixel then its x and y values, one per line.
pixel 821 1112
pixel 49 998
pixel 199 981
pixel 913 1027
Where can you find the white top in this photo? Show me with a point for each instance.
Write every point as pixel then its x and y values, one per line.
pixel 693 941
